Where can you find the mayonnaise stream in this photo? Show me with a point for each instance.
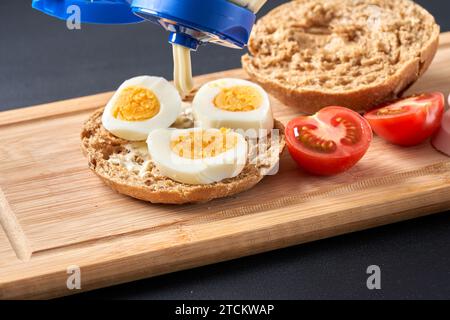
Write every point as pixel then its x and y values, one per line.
pixel 253 5
pixel 182 71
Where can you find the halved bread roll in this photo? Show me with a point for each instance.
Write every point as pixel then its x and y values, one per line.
pixel 127 167
pixel 354 53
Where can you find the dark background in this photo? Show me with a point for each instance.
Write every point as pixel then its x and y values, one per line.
pixel 41 61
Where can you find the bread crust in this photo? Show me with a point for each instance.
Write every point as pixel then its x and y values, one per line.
pixel 360 99
pixel 98 144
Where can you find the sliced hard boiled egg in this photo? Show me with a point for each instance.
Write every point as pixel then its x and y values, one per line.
pixel 232 103
pixel 198 155
pixel 140 105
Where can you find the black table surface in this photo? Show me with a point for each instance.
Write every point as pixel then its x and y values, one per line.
pixel 42 61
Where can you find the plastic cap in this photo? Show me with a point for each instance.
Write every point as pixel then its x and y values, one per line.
pixel 195 22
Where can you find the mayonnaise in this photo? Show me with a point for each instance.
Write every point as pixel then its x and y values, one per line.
pixel 182 71
pixel 253 5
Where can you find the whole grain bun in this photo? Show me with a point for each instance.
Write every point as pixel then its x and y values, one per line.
pixel 354 53
pixel 127 167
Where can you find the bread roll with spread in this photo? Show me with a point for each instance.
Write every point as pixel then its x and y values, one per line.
pixel 144 143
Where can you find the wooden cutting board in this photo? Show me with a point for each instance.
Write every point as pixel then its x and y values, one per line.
pixel 55 213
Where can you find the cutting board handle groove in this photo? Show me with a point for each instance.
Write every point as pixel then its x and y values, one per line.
pixel 13 230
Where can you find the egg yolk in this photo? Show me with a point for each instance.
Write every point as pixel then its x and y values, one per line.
pixel 238 99
pixel 136 104
pixel 203 144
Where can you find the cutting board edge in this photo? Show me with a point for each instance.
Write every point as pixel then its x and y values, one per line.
pixel 22 287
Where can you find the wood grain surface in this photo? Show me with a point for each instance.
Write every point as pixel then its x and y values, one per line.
pixel 55 213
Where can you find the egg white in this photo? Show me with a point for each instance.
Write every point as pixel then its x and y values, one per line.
pixel 228 164
pixel 170 108
pixel 207 115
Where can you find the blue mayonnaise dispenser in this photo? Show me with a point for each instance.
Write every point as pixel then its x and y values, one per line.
pixel 190 22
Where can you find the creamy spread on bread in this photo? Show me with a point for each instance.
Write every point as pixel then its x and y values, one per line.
pixel 135 159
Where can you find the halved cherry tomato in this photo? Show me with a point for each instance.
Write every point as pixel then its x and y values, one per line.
pixel 329 142
pixel 409 121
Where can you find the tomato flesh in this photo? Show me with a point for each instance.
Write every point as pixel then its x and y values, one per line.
pixel 329 142
pixel 409 121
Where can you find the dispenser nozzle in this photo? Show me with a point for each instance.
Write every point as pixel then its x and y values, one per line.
pixel 184 40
